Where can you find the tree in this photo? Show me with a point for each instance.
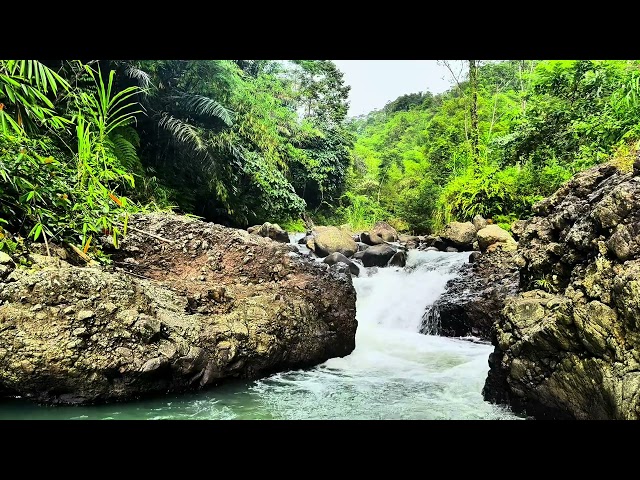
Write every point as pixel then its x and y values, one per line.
pixel 473 84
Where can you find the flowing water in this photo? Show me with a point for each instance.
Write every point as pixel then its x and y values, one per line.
pixel 394 372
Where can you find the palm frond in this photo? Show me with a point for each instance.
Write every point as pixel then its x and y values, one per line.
pixel 207 106
pixel 33 71
pixel 182 131
pixel 142 77
pixel 110 110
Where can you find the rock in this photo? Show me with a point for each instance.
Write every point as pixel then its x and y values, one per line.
pixel 479 222
pixel 385 231
pixel 399 259
pixel 358 255
pixel 328 240
pixel 451 250
pixel 429 241
pixel 356 237
pixel 135 336
pixel 303 240
pixel 338 257
pixel 378 255
pixel 636 166
pixel 310 242
pixel 84 315
pixel 493 234
pixel 474 299
pixel 568 345
pixel 254 229
pixel 409 241
pixel 5 259
pixel 273 231
pixel 362 246
pixel 431 249
pixel 402 238
pixel 439 244
pixel 517 228
pixel 459 235
pixel 371 238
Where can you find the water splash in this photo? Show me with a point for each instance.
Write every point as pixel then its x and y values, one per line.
pixel 431 321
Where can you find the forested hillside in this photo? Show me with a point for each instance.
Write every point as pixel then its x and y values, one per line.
pixel 83 143
pixel 538 123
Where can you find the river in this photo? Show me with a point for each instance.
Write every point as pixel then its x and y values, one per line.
pixel 394 372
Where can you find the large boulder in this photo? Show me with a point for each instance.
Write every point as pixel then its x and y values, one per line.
pixel 492 234
pixel 272 231
pixel 460 235
pixel 378 255
pixel 205 304
pixel 371 238
pixel 479 222
pixel 568 346
pixel 327 240
pixel 385 231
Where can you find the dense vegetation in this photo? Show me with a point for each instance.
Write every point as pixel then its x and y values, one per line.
pixel 85 143
pixel 538 123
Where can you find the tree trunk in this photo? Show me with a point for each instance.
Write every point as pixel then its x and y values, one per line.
pixel 473 83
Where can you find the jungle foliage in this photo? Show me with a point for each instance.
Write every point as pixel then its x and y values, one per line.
pixel 85 143
pixel 539 122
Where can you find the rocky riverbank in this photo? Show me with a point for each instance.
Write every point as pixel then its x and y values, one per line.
pixel 568 345
pixel 185 304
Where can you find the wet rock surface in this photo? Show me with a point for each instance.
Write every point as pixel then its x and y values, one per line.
pixel 472 302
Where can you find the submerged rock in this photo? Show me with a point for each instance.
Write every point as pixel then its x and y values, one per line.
pixel 208 304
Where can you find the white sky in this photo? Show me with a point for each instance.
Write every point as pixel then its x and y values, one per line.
pixel 376 82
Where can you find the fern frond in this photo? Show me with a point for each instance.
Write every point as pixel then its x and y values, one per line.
pixel 125 152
